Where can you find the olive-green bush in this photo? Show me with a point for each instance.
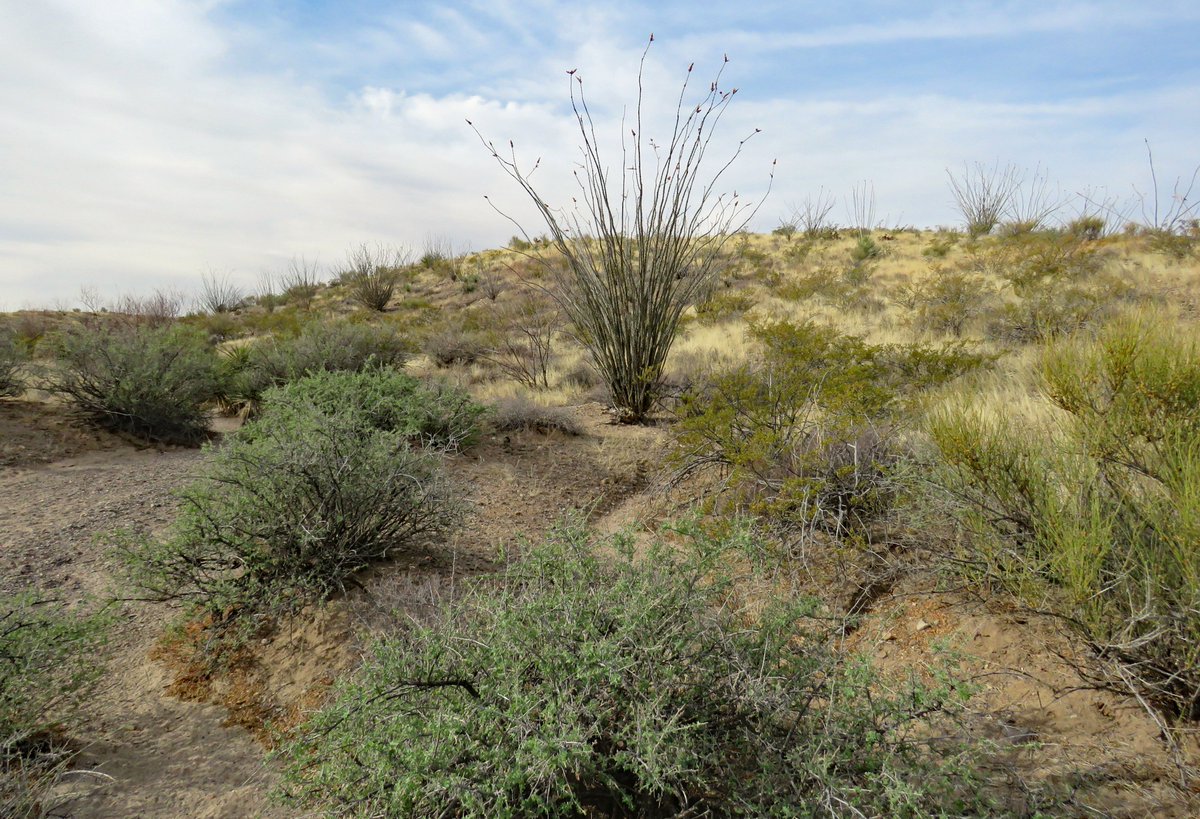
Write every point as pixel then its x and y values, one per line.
pixel 1103 509
pixel 150 381
pixel 329 478
pixel 588 681
pixel 805 431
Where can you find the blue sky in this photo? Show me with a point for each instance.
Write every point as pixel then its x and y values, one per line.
pixel 146 142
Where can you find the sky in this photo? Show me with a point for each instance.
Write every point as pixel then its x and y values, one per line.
pixel 147 143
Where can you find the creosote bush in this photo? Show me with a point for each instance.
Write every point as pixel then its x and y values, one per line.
pixel 806 432
pixel 947 301
pixel 429 415
pixel 1104 510
pixel 324 346
pixel 151 382
pixel 14 357
pixel 324 482
pixel 588 681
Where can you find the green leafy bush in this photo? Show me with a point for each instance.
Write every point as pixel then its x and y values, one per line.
pixel 325 346
pixel 152 382
pixel 49 660
pixel 315 489
pixel 806 432
pixel 14 356
pixel 432 416
pixel 1104 510
pixel 592 682
pixel 865 249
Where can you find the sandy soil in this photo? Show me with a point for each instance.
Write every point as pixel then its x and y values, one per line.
pixel 158 756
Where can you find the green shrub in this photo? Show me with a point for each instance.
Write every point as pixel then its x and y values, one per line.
pixel 940 245
pixel 1178 245
pixel 295 504
pixel 1105 511
pixel 865 249
pixel 151 382
pixel 432 416
pixel 722 306
pixel 455 340
pixel 1088 227
pixel 591 682
pixel 49 660
pixel 806 432
pixel 823 281
pixel 1031 261
pixel 325 346
pixel 947 301
pixel 14 357
pixel 1056 310
pixel 786 229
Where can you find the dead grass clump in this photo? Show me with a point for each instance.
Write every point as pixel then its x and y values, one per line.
pixel 521 414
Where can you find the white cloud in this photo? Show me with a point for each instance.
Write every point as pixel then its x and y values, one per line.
pixel 139 149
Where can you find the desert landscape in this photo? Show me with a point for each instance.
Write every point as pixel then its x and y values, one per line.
pixel 906 525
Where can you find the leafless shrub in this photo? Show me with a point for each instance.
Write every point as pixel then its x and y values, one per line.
pixel 522 346
pixel 812 215
pixel 860 209
pixel 1178 212
pixel 372 273
pixel 1033 202
pixel 517 414
pixel 452 343
pixel 218 294
pixel 491 285
pixel 984 195
pixel 301 280
pixel 638 250
pixel 160 308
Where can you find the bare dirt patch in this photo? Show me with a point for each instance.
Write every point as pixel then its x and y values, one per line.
pixel 1103 745
pixel 157 756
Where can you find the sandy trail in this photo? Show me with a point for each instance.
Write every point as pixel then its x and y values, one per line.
pixel 162 757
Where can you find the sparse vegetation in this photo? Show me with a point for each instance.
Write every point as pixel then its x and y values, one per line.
pixel 1102 508
pixel 522 414
pixel 14 357
pixel 324 482
pixel 50 657
pixel 151 382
